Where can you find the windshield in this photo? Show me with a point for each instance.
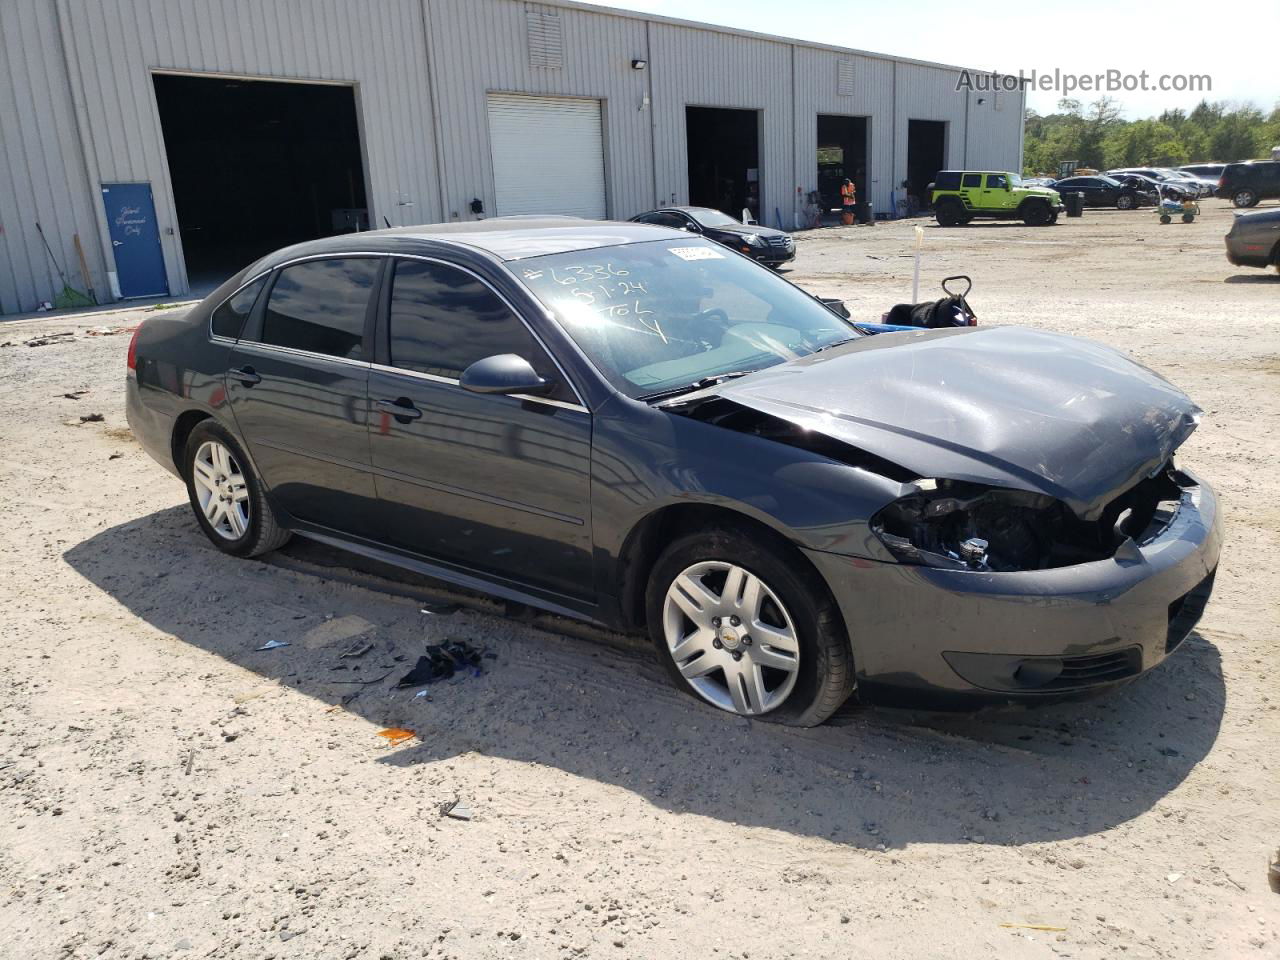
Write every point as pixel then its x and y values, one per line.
pixel 661 316
pixel 714 218
pixel 1015 180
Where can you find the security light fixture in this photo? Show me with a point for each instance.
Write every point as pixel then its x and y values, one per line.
pixel 639 64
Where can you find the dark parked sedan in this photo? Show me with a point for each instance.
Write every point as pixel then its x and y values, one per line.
pixel 1101 192
pixel 769 246
pixel 1254 239
pixel 638 427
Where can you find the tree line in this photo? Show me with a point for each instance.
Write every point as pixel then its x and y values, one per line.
pixel 1099 137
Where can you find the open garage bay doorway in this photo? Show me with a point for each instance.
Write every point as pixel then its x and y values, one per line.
pixel 926 155
pixel 842 152
pixel 724 159
pixel 256 165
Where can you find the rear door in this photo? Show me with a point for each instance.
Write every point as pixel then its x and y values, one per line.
pixel 971 193
pixel 298 382
pixel 490 483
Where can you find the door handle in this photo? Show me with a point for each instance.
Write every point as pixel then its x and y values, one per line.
pixel 246 375
pixel 401 408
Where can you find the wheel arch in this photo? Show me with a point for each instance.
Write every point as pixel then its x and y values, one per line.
pixel 182 427
pixel 648 538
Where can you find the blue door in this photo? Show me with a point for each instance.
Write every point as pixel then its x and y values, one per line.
pixel 135 239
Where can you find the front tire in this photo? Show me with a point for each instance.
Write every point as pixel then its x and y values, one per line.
pixel 1037 215
pixel 740 621
pixel 1126 202
pixel 226 496
pixel 1245 198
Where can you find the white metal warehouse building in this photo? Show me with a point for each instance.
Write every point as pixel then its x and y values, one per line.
pixel 179 139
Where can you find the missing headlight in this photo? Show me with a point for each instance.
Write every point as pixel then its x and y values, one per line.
pixel 960 525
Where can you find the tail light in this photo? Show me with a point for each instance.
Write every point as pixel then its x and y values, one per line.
pixel 132 359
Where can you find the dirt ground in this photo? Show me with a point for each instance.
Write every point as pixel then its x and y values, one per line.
pixel 168 790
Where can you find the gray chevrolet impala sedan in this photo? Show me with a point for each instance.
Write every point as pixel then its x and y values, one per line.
pixel 638 427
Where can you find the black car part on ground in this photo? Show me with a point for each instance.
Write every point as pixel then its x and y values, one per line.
pixel 953 310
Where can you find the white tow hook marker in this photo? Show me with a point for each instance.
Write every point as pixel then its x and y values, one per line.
pixel 974 552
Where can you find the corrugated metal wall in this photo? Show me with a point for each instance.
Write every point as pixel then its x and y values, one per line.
pixel 421 70
pixel 817 91
pixel 42 175
pixel 479 47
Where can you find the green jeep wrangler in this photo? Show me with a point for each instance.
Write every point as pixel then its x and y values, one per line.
pixel 961 195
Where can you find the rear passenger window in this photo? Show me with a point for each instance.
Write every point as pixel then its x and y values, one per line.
pixel 228 320
pixel 443 319
pixel 972 180
pixel 320 306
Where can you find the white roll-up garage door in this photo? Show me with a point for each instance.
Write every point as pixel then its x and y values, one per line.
pixel 548 155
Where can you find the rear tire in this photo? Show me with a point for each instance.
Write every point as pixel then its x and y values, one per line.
pixel 796 669
pixel 1165 218
pixel 1245 198
pixel 226 495
pixel 949 214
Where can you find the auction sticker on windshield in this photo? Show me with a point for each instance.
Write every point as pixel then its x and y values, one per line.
pixel 697 253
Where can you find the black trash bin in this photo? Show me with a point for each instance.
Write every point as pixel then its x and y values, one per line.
pixel 866 214
pixel 1074 202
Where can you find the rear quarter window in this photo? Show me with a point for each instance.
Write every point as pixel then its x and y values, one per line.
pixel 947 180
pixel 228 320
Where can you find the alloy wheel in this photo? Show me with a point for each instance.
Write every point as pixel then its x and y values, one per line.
pixel 222 490
pixel 731 637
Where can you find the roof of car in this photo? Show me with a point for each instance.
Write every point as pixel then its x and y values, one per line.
pixel 507 238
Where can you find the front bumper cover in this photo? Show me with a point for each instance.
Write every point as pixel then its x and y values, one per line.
pixel 920 633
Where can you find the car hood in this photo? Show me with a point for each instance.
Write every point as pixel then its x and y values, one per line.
pixel 1003 406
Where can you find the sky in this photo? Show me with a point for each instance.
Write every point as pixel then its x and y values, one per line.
pixel 1237 45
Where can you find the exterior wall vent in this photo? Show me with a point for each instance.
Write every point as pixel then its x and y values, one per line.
pixel 844 78
pixel 546 39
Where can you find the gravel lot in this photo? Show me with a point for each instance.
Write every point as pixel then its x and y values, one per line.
pixel 167 790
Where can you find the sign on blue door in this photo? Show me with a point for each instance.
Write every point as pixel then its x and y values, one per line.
pixel 135 239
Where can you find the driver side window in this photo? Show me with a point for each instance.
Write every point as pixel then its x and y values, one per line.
pixel 443 319
pixel 997 181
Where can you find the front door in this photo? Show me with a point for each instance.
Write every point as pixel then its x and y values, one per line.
pixel 491 483
pixel 135 240
pixel 298 385
pixel 996 195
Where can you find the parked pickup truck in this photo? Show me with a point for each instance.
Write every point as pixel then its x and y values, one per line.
pixel 963 195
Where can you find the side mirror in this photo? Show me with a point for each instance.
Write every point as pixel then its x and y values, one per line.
pixel 503 373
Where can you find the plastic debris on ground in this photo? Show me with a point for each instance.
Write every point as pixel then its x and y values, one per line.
pixel 440 609
pixel 456 810
pixel 396 735
pixel 273 645
pixel 442 661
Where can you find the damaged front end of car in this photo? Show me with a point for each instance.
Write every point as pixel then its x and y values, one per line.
pixel 961 525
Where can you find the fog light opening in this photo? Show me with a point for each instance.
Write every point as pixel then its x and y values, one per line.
pixel 1038 672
